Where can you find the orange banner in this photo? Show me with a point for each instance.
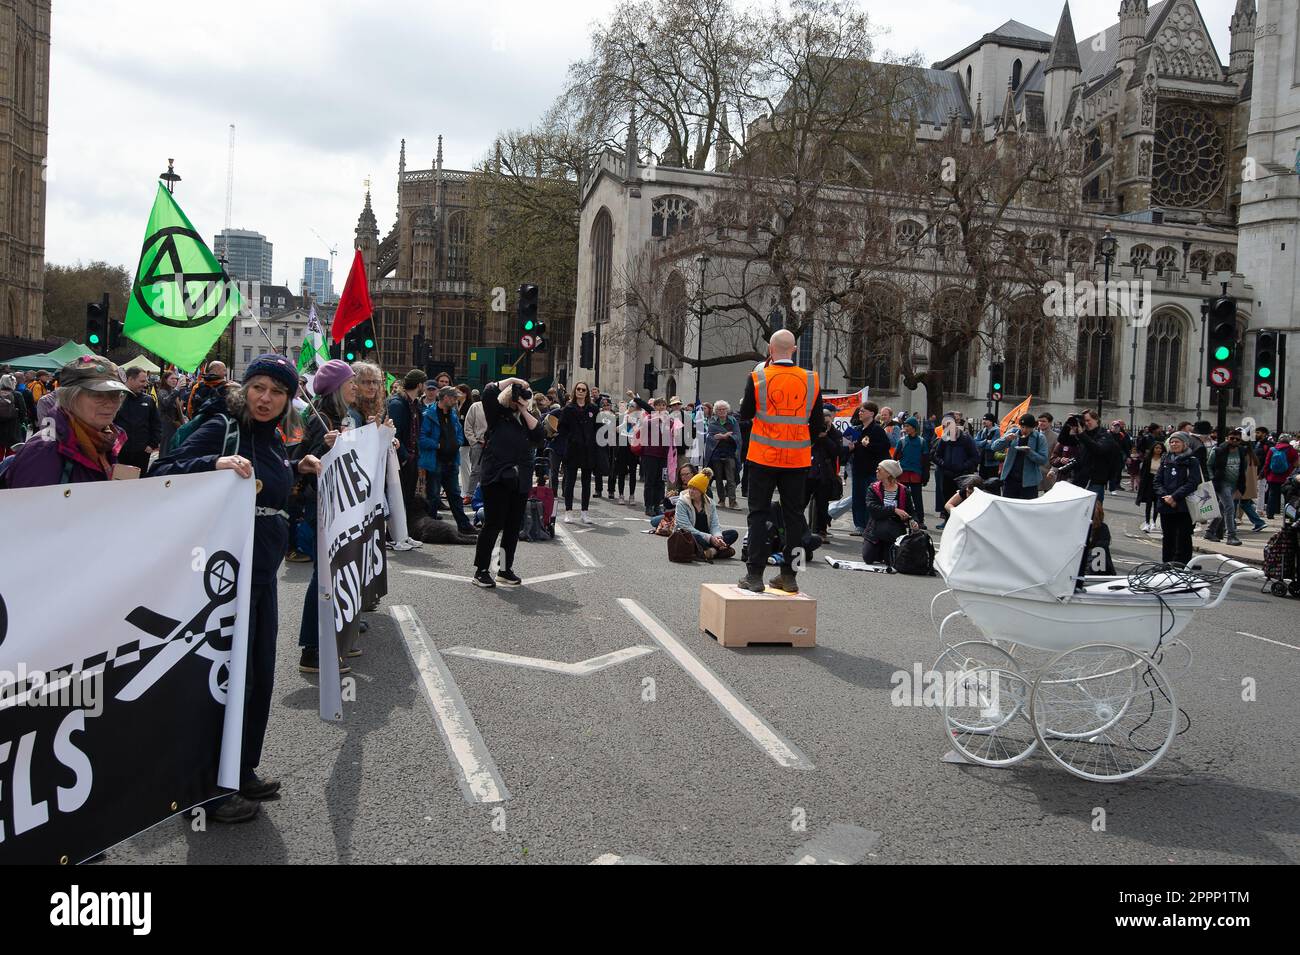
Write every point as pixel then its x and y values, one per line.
pixel 1012 416
pixel 845 405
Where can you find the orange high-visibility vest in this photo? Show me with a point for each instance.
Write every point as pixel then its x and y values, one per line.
pixel 783 402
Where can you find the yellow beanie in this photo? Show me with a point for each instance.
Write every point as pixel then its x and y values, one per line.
pixel 701 481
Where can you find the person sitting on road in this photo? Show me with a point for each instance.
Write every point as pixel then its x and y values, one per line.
pixel 887 516
pixel 696 512
pixel 664 522
pixel 967 485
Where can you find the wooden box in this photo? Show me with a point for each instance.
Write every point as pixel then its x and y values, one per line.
pixel 740 618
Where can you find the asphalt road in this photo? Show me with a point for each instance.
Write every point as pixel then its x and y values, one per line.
pixel 637 761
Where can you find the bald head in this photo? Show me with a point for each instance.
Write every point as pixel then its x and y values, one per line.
pixel 781 345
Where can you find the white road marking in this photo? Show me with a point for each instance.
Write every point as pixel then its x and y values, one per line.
pixel 574 548
pixel 584 668
pixel 560 576
pixel 1253 636
pixel 839 844
pixel 437 576
pixel 740 713
pixel 479 780
pixel 610 858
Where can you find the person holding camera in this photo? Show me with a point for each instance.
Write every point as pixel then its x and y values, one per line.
pixel 1096 455
pixel 1026 454
pixel 505 478
pixel 1179 476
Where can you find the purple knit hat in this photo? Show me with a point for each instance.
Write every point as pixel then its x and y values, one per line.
pixel 331 376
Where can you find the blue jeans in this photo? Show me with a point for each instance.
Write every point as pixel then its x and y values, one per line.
pixel 446 476
pixel 1248 508
pixel 1099 489
pixel 1228 507
pixel 859 485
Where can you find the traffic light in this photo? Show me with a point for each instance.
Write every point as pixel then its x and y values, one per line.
pixel 417 350
pixel 1221 336
pixel 531 328
pixel 587 351
pixel 649 378
pixel 97 328
pixel 358 342
pixel 996 371
pixel 1265 364
pixel 116 330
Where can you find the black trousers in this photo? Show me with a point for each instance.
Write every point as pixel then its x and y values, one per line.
pixel 1176 545
pixel 571 470
pixel 624 470
pixel 503 512
pixel 410 476
pixel 652 479
pixel 763 482
pixel 263 622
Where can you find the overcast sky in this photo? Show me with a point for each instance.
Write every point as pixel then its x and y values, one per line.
pixel 322 92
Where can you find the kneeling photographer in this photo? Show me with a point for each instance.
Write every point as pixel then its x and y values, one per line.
pixel 513 435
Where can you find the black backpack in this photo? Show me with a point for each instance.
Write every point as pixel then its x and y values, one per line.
pixel 913 553
pixel 534 525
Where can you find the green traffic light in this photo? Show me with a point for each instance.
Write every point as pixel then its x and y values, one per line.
pixel 997 386
pixel 370 344
pixel 94 339
pixel 528 325
pixel 1265 372
pixel 351 356
pixel 1222 352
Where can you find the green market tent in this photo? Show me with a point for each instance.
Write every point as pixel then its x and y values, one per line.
pixel 52 361
pixel 139 361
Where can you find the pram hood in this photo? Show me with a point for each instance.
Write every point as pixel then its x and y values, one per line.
pixel 1011 547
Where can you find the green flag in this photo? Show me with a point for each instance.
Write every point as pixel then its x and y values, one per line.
pixel 314 352
pixel 182 299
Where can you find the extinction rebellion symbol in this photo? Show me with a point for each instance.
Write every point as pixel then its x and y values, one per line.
pixel 163 282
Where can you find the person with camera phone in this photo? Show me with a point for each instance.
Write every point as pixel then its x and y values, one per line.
pixel 1026 455
pixel 513 435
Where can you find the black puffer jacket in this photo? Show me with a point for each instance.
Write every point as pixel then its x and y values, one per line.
pixel 577 432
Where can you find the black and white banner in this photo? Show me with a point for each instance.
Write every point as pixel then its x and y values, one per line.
pixel 352 566
pixel 123 631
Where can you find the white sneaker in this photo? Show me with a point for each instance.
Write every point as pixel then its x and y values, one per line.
pixel 586 518
pixel 403 545
pixel 568 517
pixel 415 544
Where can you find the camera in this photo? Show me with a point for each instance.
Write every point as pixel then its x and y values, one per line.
pixel 1074 421
pixel 522 393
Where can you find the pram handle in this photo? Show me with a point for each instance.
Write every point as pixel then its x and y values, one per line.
pixel 1239 571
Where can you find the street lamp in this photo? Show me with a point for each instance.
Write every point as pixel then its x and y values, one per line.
pixel 170 177
pixel 702 260
pixel 1132 372
pixel 1107 246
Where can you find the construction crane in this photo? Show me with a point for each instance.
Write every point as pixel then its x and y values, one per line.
pixel 230 175
pixel 333 250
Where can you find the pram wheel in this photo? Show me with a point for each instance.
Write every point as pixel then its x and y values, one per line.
pixel 969 654
pixel 1294 589
pixel 1279 589
pixel 1104 712
pixel 985 716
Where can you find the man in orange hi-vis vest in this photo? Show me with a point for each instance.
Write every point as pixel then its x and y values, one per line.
pixel 784 402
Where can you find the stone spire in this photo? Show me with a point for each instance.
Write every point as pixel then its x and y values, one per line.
pixel 630 147
pixel 367 225
pixel 437 163
pixel 401 160
pixel 1064 54
pixel 977 124
pixel 1242 26
pixel 1132 28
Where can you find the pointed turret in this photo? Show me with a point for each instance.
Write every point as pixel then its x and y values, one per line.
pixel 1242 26
pixel 401 160
pixel 1064 54
pixel 367 234
pixel 1132 29
pixel 630 147
pixel 722 148
pixel 1062 74
pixel 977 124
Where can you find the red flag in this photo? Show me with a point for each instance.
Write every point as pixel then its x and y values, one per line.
pixel 354 306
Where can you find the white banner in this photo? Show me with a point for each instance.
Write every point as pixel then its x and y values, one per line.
pixel 351 563
pixel 123 632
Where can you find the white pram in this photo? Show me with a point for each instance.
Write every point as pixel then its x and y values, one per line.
pixel 1071 664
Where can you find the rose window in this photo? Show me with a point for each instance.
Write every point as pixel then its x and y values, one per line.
pixel 1189 164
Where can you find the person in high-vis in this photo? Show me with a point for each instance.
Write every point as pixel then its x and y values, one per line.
pixel 784 402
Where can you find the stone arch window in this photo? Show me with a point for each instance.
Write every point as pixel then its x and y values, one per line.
pixel 1225 262
pixel 1140 256
pixel 907 232
pixel 17 188
pixel 873 343
pixel 1201 262
pixel 458 247
pixel 946 309
pixel 23 78
pixel 968 78
pixel 1095 358
pixel 1165 353
pixel 1024 322
pixel 602 250
pixel 675 310
pixel 1080 252
pixel 1016 69
pixel 670 215
pixel 1189 164
pixel 1166 260
pixel 1041 248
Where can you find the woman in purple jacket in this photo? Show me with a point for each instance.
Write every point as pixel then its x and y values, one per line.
pixel 83 444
